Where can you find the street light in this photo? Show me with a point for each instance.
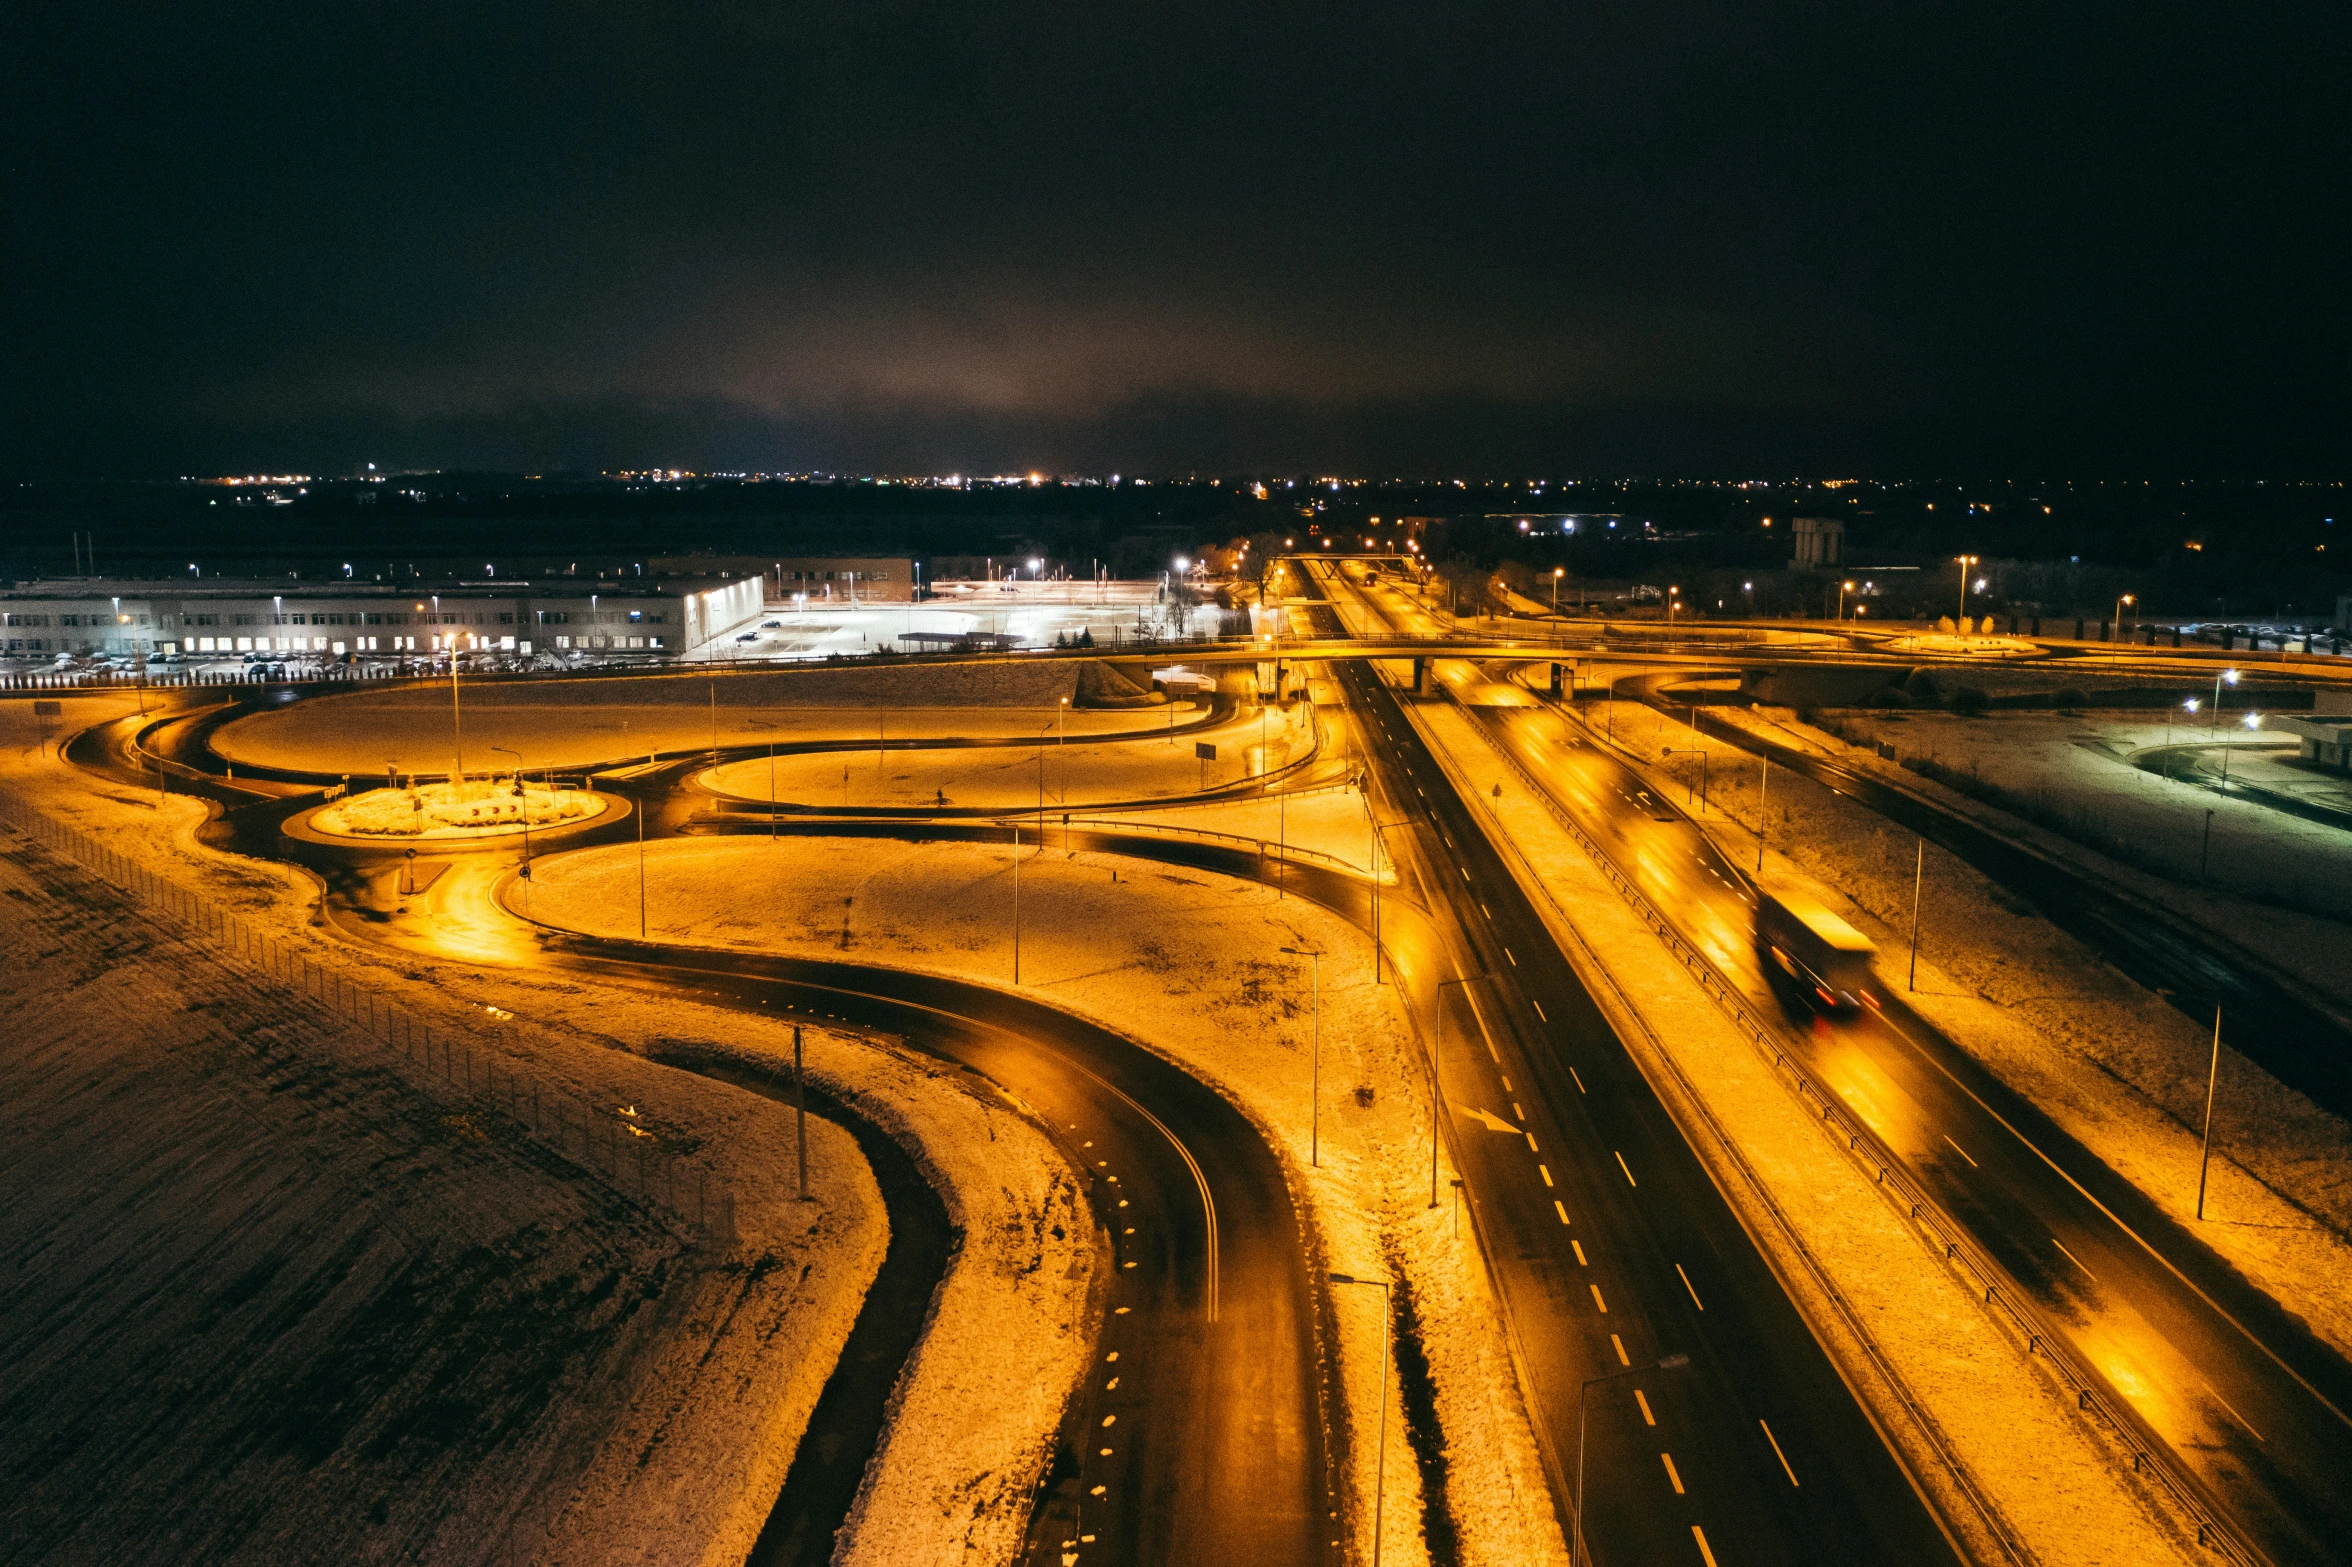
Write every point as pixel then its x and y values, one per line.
pixel 1557 573
pixel 1701 753
pixel 1437 1100
pixel 1844 588
pixel 526 809
pixel 1380 1451
pixel 2120 602
pixel 1965 561
pixel 1314 1081
pixel 771 729
pixel 1580 1550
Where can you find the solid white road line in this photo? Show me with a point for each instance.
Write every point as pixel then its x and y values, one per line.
pixel 1777 1453
pixel 1962 1152
pixel 1686 1284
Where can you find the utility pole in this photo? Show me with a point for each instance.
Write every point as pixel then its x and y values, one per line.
pixel 2212 1078
pixel 1763 808
pixel 1315 1081
pixel 1918 881
pixel 800 1113
pixel 1380 1453
pixel 1016 903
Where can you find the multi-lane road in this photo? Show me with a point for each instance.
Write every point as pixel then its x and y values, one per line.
pixel 2249 1405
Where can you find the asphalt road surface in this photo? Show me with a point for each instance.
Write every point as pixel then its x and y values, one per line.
pixel 1612 1247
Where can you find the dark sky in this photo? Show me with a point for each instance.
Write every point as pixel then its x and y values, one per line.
pixel 1667 237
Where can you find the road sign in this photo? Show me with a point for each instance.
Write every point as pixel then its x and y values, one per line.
pixel 48 709
pixel 1204 750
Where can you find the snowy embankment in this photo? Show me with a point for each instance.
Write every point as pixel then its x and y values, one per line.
pixel 577 722
pixel 689 1426
pixel 1189 964
pixel 2114 1065
pixel 282 1300
pixel 1046 772
pixel 1966 1407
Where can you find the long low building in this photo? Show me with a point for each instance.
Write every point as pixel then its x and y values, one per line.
pixel 84 616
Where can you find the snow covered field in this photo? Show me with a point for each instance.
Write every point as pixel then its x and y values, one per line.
pixel 574 722
pixel 1190 964
pixel 1061 773
pixel 275 1304
pixel 2073 773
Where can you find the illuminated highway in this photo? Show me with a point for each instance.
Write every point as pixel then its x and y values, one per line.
pixel 2249 1405
pixel 1611 1245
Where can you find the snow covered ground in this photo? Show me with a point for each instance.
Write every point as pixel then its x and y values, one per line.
pixel 1190 964
pixel 572 722
pixel 1060 772
pixel 277 1303
pixel 479 808
pixel 2073 773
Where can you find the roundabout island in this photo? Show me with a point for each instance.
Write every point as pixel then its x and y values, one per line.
pixel 474 808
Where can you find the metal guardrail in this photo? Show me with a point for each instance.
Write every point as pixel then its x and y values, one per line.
pixel 606 1146
pixel 1959 1251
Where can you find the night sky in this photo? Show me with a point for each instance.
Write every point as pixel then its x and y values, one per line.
pixel 1375 238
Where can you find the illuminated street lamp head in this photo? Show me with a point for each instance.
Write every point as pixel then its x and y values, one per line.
pixel 1559 571
pixel 1182 564
pixel 2191 704
pixel 2128 599
pixel 2253 720
pixel 2230 675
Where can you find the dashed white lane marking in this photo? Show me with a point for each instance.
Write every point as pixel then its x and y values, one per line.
pixel 1531 1148
pixel 1777 1453
pixel 1668 1460
pixel 1647 1418
pixel 1578 1080
pixel 1962 1152
pixel 1619 1345
pixel 1578 1246
pixel 1686 1284
pixel 1700 1535
pixel 1545 1171
pixel 1621 1164
pixel 1561 1209
pixel 1539 1011
pixel 1507 954
pixel 1604 1305
pixel 2071 1257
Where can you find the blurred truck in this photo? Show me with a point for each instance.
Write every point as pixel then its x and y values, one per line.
pixel 1811 954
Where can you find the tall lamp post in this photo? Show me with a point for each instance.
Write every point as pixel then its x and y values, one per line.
pixel 1965 561
pixel 526 810
pixel 1557 573
pixel 2121 601
pixel 1380 1450
pixel 771 731
pixel 1844 588
pixel 1315 1080
pixel 1436 1099
pixel 1580 1551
